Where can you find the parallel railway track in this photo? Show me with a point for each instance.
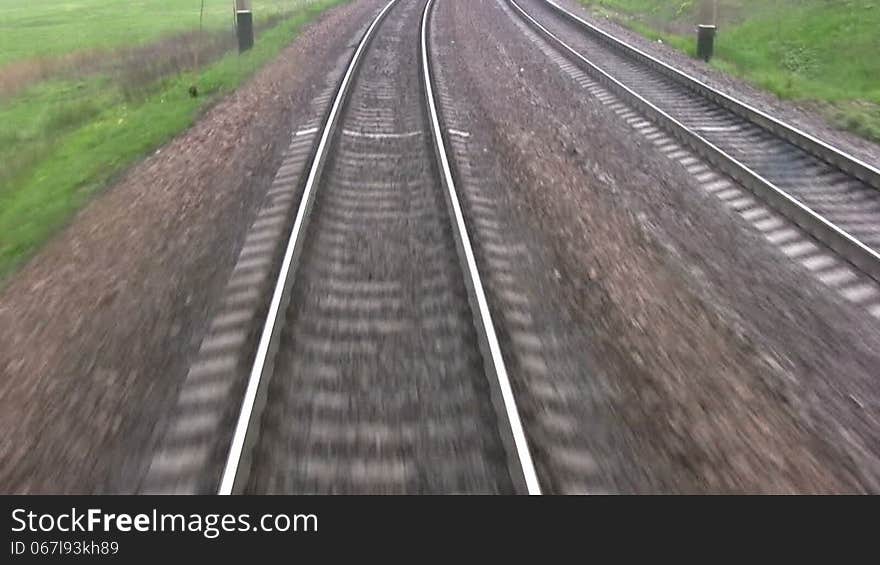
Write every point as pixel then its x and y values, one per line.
pixel 829 194
pixel 378 369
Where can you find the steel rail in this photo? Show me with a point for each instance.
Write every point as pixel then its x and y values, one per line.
pixel 244 435
pixel 480 308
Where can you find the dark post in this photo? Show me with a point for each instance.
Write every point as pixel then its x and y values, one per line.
pixel 244 25
pixel 705 41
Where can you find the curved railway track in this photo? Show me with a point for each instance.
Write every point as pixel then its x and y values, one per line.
pixel 827 193
pixel 378 369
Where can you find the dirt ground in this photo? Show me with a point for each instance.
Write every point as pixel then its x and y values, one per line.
pixel 99 327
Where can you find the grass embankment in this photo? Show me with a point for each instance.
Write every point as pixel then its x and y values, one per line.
pixel 823 52
pixel 64 138
pixel 40 28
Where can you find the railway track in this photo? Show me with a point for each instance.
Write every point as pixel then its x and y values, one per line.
pixel 831 195
pixel 378 369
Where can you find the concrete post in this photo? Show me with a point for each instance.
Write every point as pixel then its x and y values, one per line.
pixel 705 41
pixel 707 17
pixel 244 25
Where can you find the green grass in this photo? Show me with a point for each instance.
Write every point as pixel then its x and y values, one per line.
pixel 30 28
pixel 666 9
pixel 65 139
pixel 681 43
pixel 807 50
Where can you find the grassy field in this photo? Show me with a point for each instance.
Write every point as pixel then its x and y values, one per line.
pixel 824 52
pixel 64 136
pixel 31 28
